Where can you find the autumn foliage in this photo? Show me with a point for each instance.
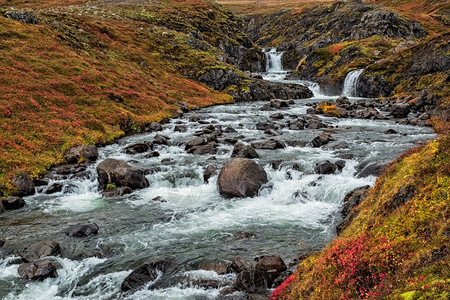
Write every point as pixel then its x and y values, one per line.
pixel 78 77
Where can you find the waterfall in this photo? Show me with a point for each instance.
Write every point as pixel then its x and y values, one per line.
pixel 274 67
pixel 273 58
pixel 351 80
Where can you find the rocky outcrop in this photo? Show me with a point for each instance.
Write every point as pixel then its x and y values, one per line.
pixel 254 90
pixel 426 60
pixel 121 174
pixel 351 200
pixel 324 25
pixel 21 16
pixel 87 152
pixel 241 178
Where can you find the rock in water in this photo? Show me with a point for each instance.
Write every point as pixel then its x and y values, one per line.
pixel 82 230
pixel 89 152
pixel 244 151
pixel 400 110
pixel 272 264
pixel 241 177
pixel 144 274
pixel 24 185
pixel 39 269
pixel 253 281
pixel 40 249
pixel 325 167
pixel 239 265
pixel 112 171
pixel 11 203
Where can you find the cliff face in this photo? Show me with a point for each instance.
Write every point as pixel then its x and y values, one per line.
pixel 326 42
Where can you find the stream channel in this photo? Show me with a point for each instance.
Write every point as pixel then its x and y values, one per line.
pixel 197 225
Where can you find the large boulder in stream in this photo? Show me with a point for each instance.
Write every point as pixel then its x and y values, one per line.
pixel 39 269
pixel 119 173
pixel 83 152
pixel 39 250
pixel 241 177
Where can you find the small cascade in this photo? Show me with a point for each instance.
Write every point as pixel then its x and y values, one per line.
pixel 351 80
pixel 274 67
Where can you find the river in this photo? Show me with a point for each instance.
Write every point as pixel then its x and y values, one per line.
pixel 197 225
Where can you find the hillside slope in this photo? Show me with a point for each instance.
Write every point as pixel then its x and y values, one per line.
pixel 397 245
pixel 88 74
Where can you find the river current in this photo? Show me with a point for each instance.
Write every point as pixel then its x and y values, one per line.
pixel 197 225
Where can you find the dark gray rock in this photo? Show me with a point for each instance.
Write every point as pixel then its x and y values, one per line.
pixel 120 191
pixel 159 199
pixel 13 202
pixel 320 140
pixel 112 171
pixel 351 200
pixel 390 131
pixel 24 185
pixel 54 188
pixel 340 164
pixel 155 126
pixel 210 148
pixel 144 274
pixel 372 169
pixel 325 167
pixel 219 79
pixel 253 281
pixel 21 16
pixel 277 103
pixel 404 194
pixel 244 151
pixel 39 269
pixel 39 250
pixel 242 235
pixel 400 110
pixel 209 171
pixel 78 153
pixel 197 141
pixel 239 265
pixel 161 140
pixel 271 144
pixel 272 264
pixel 241 177
pixel 82 230
pixel 137 148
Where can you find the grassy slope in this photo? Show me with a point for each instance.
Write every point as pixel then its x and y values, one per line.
pixel 390 250
pixel 57 78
